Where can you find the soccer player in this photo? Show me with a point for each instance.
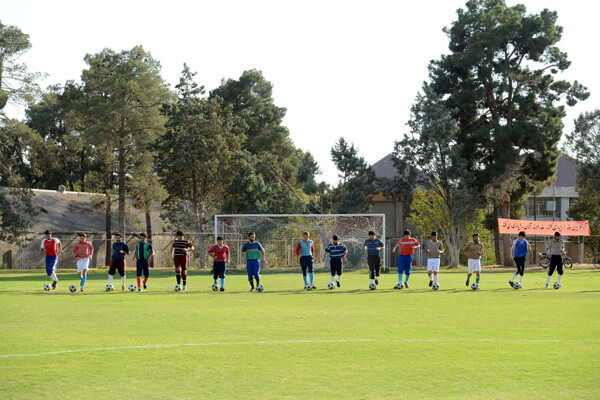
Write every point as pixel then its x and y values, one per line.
pixel 434 249
pixel 407 248
pixel 556 249
pixel 474 249
pixel 306 251
pixel 254 253
pixel 83 251
pixel 143 253
pixel 520 247
pixel 179 254
pixel 220 254
pixel 117 261
pixel 337 256
pixel 372 247
pixel 52 247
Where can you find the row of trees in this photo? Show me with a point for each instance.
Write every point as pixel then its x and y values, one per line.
pixel 124 133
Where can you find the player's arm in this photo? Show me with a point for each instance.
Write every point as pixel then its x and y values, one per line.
pixel 312 250
pixel 73 250
pixel 262 253
pixel 327 250
pixel 126 251
pixel 345 253
pixel 441 251
pixel 298 249
pixel 416 244
pixel 135 253
pixel 60 250
pixel 150 251
pixel 528 246
pixel 227 256
pixel 91 251
pixel 190 247
pixel 395 247
pixel 173 252
pixel 42 246
pixel 381 247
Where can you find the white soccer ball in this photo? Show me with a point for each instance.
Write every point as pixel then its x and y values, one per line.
pixel 399 286
pixel 178 288
pixel 215 287
pixel 47 286
pixel 517 285
pixel 556 285
pixel 435 286
pixel 260 287
pixel 372 286
pixel 132 287
pixel 109 288
pixel 73 288
pixel 474 286
pixel 330 286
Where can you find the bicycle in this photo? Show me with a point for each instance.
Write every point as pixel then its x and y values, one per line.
pixel 567 261
pixel 596 260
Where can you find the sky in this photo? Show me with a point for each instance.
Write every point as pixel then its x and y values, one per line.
pixel 341 68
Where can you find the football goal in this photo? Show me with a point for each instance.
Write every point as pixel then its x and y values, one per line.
pixel 280 233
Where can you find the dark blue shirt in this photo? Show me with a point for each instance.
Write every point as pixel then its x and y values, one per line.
pixel 116 250
pixel 372 246
pixel 336 251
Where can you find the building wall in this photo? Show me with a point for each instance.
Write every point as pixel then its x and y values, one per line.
pixel 393 216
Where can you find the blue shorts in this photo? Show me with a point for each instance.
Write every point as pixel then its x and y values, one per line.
pixel 142 267
pixel 253 268
pixel 51 264
pixel 306 263
pixel 404 264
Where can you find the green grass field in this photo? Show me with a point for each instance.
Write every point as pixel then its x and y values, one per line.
pixel 496 343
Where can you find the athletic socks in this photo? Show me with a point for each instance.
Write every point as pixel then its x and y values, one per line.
pixel 477 279
pixel 548 280
pixel 184 281
pixel 110 279
pixel 305 280
pixel 215 282
pixel 338 278
pixel 435 277
pixel 83 279
pixel 139 281
pixel 123 279
pixel 222 282
pixel 514 276
pixel 178 277
pixel 332 278
pixel 558 280
pixel 520 278
pixel 372 281
pixel 312 278
pixel 145 279
pixel 399 277
pixel 54 277
pixel 251 283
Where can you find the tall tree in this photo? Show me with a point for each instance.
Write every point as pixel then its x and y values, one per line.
pixel 432 148
pixel 357 179
pixel 127 92
pixel 500 77
pixel 583 143
pixel 265 178
pixel 203 140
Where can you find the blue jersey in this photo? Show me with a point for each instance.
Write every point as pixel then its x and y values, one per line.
pixel 336 251
pixel 520 248
pixel 252 250
pixel 372 246
pixel 116 250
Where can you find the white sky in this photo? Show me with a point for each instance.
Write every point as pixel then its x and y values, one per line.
pixel 341 68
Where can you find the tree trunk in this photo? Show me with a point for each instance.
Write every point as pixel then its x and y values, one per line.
pixel 149 233
pixel 122 169
pixel 67 170
pixel 508 259
pixel 108 227
pixel 82 170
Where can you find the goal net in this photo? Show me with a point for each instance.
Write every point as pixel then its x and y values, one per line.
pixel 280 233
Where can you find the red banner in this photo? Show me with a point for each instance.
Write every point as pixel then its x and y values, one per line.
pixel 544 228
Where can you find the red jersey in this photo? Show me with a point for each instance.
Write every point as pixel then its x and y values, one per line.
pixel 50 245
pixel 407 246
pixel 219 252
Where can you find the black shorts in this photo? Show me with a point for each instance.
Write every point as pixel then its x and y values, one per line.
pixel 336 266
pixel 306 263
pixel 219 268
pixel 556 262
pixel 117 265
pixel 142 267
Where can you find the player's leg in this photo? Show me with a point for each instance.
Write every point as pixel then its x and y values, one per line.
pixel 178 272
pixel 339 271
pixel 377 269
pixel 222 271
pixel 111 271
pixel 371 264
pixel 436 269
pixel 430 271
pixel 332 270
pixel 85 265
pixel 559 269
pixel 146 271
pixel 256 272
pixel 304 267
pixel 400 269
pixel 51 269
pixel 470 266
pixel 139 266
pixel 521 266
pixel 311 273
pixel 511 281
pixel 249 270
pixel 407 269
pixel 184 274
pixel 477 269
pixel 551 269
pixel 122 273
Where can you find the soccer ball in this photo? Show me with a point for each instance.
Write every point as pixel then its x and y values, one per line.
pixel 307 287
pixel 260 287
pixel 109 288
pixel 517 285
pixel 556 285
pixel 330 286
pixel 132 287
pixel 474 286
pixel 215 287
pixel 47 286
pixel 399 286
pixel 178 288
pixel 73 288
pixel 435 286
pixel 372 286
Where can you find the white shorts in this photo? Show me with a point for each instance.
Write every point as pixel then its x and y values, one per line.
pixel 474 265
pixel 433 264
pixel 83 264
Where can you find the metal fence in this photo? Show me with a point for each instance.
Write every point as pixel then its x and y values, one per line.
pixel 280 252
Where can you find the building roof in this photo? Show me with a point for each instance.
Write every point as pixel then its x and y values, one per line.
pixel 76 212
pixel 385 168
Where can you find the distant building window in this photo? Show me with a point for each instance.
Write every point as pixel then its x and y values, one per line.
pixel 546 207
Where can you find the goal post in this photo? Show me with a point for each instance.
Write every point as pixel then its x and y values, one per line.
pixel 280 233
